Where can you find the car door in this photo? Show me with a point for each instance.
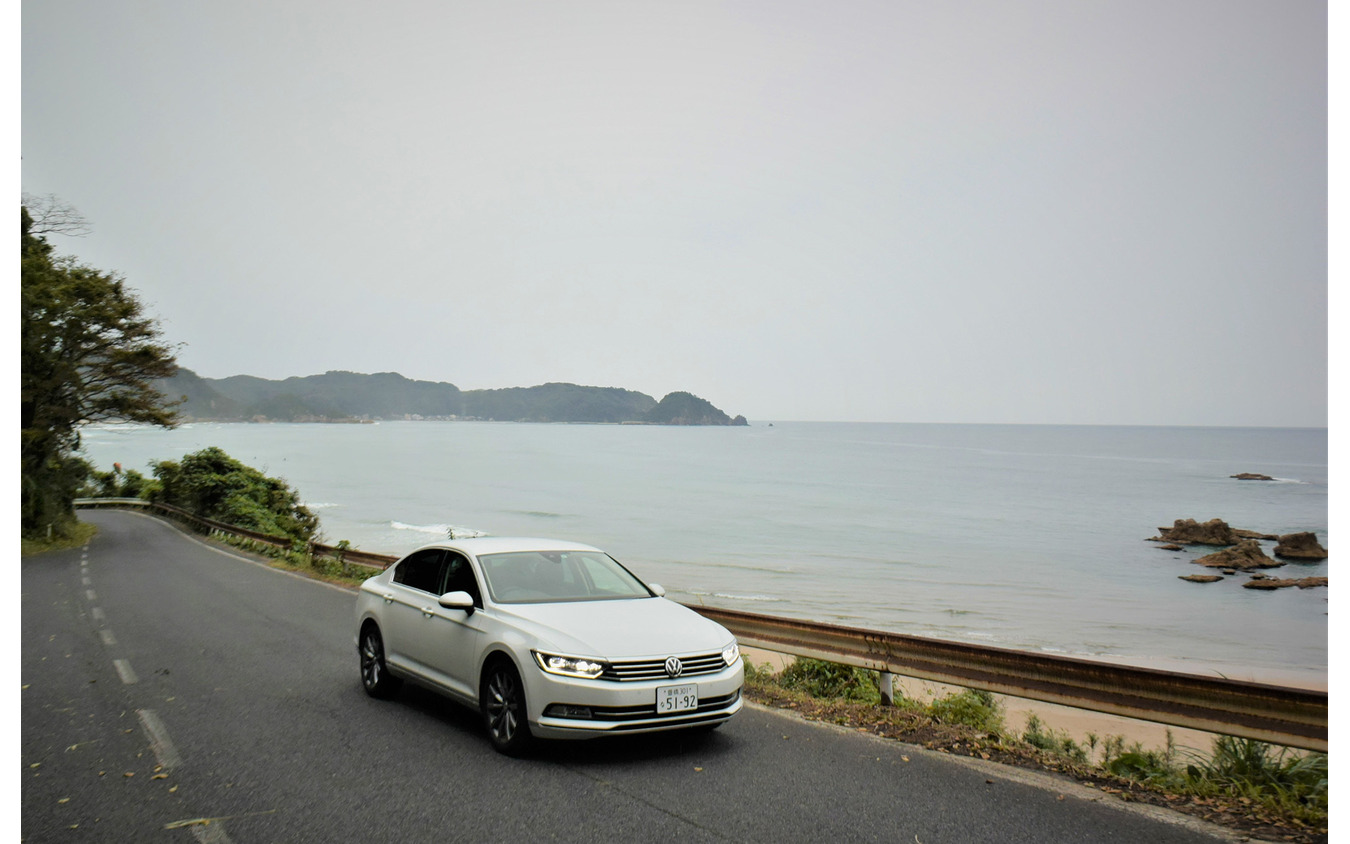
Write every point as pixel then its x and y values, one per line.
pixel 454 635
pixel 412 591
pixel 439 644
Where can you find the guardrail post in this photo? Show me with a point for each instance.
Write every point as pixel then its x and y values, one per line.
pixel 887 688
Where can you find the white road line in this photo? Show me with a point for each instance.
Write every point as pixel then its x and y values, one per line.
pixel 97 613
pixel 90 594
pixel 87 582
pixel 107 637
pixel 124 671
pixel 154 730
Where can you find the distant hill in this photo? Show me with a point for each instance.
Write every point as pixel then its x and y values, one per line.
pixel 356 397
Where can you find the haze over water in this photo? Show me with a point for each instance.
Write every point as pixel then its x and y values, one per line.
pixel 1028 537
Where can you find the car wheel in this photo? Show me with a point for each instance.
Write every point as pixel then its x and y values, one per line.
pixel 502 701
pixel 375 674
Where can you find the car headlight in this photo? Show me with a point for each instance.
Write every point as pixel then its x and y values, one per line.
pixel 731 653
pixel 569 666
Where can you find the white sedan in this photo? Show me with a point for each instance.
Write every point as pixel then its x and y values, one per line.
pixel 547 639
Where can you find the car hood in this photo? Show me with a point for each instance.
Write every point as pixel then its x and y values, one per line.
pixel 624 629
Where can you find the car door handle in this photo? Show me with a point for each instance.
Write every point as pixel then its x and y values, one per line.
pixel 388 599
pixel 428 612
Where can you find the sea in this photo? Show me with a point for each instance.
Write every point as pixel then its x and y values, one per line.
pixel 1030 537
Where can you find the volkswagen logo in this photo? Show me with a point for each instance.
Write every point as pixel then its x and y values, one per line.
pixel 674 667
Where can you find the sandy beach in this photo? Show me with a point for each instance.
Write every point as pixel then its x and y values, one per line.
pixel 1076 723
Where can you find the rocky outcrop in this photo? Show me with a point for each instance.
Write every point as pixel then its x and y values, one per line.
pixel 1201 578
pixel 1300 546
pixel 1245 556
pixel 1251 534
pixel 1191 532
pixel 1251 476
pixel 1270 583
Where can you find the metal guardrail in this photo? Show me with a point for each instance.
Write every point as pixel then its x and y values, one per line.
pixel 1276 714
pixel 348 555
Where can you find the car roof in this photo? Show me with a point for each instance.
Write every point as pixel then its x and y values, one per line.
pixel 481 545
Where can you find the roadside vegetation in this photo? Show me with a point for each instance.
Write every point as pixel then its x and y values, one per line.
pixel 1250 786
pixel 301 559
pixel 88 353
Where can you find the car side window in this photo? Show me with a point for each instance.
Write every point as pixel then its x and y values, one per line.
pixel 460 577
pixel 423 570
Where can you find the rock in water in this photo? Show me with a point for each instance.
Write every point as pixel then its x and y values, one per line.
pixel 1191 532
pixel 1251 476
pixel 1300 546
pixel 1247 555
pixel 1272 583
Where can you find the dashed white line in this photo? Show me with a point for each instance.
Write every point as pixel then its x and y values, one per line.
pixel 91 594
pixel 154 729
pixel 124 671
pixel 97 613
pixel 87 582
pixel 107 637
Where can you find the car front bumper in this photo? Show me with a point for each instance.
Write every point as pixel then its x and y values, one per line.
pixel 614 708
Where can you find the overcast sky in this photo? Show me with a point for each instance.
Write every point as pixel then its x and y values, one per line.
pixel 1045 212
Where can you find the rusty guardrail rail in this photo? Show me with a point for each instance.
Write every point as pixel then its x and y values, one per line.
pixel 1276 714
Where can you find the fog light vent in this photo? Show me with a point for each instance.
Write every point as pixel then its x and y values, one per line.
pixel 567 710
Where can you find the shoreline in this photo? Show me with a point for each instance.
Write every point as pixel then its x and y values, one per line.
pixel 1055 718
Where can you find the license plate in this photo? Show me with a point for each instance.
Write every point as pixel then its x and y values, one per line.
pixel 676 698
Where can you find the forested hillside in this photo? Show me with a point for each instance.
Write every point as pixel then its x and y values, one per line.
pixel 356 397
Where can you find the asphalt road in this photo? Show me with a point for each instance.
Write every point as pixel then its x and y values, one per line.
pixel 173 691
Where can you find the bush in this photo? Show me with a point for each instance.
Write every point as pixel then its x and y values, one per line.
pixel 213 485
pixel 1295 781
pixel 822 679
pixel 971 707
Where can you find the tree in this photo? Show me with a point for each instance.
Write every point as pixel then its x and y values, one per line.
pixel 214 485
pixel 88 353
pixel 52 215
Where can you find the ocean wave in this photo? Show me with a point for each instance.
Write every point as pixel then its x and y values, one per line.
pixel 454 531
pixel 319 505
pixel 730 597
pixel 726 596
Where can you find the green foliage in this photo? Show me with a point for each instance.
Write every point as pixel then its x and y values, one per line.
pixel 1294 782
pixel 77 536
pixel 213 485
pixel 1037 734
pixel 88 353
pixel 116 484
pixel 972 707
pixel 822 679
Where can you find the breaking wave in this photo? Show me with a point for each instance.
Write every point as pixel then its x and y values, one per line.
pixel 454 531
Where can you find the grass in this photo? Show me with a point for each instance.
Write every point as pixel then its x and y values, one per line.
pixel 1242 784
pixel 80 533
pixel 297 559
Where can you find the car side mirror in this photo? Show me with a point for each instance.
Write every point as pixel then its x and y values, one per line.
pixel 657 589
pixel 457 601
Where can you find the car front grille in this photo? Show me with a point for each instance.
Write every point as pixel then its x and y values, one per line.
pixel 655 669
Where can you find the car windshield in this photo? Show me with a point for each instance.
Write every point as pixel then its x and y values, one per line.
pixel 533 577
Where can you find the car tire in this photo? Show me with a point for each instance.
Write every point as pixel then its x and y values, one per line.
pixel 375 676
pixel 502 703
